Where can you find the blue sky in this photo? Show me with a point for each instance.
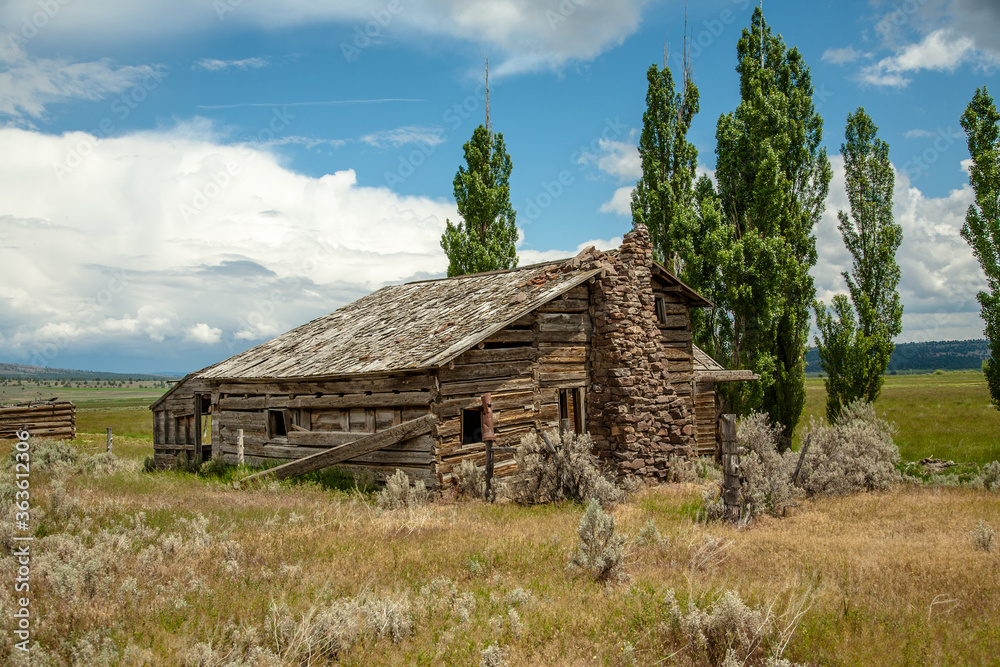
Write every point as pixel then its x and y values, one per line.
pixel 185 179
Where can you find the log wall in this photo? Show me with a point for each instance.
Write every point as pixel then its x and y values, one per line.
pixel 327 414
pixel 174 423
pixel 523 367
pixel 677 341
pixel 705 418
pixel 49 419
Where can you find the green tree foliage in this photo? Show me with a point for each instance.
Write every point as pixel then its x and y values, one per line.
pixel 486 238
pixel 663 198
pixel 981 230
pixel 854 352
pixel 773 177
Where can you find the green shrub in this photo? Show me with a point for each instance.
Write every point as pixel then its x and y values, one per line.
pixel 399 493
pixel 982 536
pixel 555 468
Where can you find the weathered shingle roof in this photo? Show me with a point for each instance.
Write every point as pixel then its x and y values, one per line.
pixel 707 369
pixel 404 327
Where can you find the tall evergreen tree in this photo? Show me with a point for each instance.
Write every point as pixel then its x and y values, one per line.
pixel 663 198
pixel 773 177
pixel 855 352
pixel 486 238
pixel 981 230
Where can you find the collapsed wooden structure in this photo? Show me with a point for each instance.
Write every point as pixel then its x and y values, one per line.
pixel 600 343
pixel 44 419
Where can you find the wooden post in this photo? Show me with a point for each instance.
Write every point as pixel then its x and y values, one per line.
pixel 489 437
pixel 110 438
pixel 239 447
pixel 730 468
pixel 802 457
pixel 197 430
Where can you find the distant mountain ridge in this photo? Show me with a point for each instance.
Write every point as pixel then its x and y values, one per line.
pixel 45 373
pixel 945 355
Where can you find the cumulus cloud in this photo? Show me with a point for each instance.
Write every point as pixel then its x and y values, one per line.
pixel 213 65
pixel 28 84
pixel 171 237
pixel 616 158
pixel 531 34
pixel 940 51
pixel 940 276
pixel 202 333
pixel 620 202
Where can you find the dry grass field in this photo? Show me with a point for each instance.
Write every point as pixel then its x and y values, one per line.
pixel 175 568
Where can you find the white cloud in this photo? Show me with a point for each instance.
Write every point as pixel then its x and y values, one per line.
pixel 535 256
pixel 843 56
pixel 172 237
pixel 620 202
pixel 940 276
pixel 530 34
pixel 401 136
pixel 202 333
pixel 616 158
pixel 918 134
pixel 28 84
pixel 213 65
pixel 942 50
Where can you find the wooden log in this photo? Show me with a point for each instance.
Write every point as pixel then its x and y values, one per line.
pixel 675 336
pixel 359 447
pixel 501 401
pixel 503 354
pixel 565 305
pixel 373 400
pixel 238 403
pixel 512 336
pixel 482 386
pixel 250 421
pixel 563 336
pixel 347 386
pixel 472 372
pixel 674 321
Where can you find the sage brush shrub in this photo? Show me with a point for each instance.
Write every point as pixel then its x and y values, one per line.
pixel 398 492
pixel 767 475
pixel 563 468
pixel 855 453
pixel 990 476
pixel 470 479
pixel 727 633
pixel 600 551
pixel 982 536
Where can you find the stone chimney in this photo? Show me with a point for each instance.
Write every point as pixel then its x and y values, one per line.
pixel 633 413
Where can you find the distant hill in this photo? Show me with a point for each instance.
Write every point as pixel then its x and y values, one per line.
pixel 945 355
pixel 44 373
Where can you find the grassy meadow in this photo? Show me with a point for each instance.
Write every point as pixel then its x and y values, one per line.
pixel 140 568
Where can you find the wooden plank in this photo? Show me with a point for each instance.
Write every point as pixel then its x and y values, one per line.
pixel 501 401
pixel 373 400
pixel 234 403
pixel 469 372
pixel 563 354
pixel 565 306
pixel 250 421
pixel 504 354
pixel 563 336
pixel 512 336
pixel 562 321
pixel 351 450
pixel 675 336
pixel 547 378
pixel 675 322
pixel 483 386
pixel 323 438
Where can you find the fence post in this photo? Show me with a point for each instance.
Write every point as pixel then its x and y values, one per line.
pixel 110 438
pixel 489 436
pixel 239 446
pixel 730 468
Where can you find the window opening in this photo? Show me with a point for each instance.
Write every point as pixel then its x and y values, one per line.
pixel 472 426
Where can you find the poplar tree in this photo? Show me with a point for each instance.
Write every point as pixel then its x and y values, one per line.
pixel 773 177
pixel 981 230
pixel 855 341
pixel 486 237
pixel 663 198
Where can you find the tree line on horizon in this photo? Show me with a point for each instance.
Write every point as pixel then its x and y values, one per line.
pixel 745 239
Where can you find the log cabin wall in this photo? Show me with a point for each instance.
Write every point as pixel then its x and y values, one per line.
pixel 42 419
pixel 536 370
pixel 705 418
pixel 174 428
pixel 673 318
pixel 287 420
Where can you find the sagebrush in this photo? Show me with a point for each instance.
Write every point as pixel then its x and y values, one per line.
pixel 601 549
pixel 399 493
pixel 555 468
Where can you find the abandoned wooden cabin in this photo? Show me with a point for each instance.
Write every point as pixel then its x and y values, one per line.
pixel 600 343
pixel 43 419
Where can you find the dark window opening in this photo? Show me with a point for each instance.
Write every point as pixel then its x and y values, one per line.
pixel 278 423
pixel 661 310
pixel 472 426
pixel 571 411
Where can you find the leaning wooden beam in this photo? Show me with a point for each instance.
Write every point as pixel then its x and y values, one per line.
pixel 335 455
